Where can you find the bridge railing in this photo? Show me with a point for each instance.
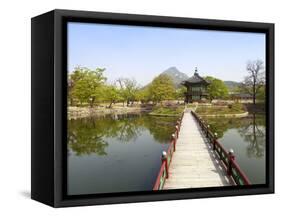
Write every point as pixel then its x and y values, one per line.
pixel 166 158
pixel 227 157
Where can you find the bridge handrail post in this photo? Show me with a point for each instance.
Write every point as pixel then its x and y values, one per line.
pixel 207 131
pixel 177 131
pixel 215 141
pixel 178 124
pixel 174 141
pixel 203 125
pixel 231 157
pixel 164 161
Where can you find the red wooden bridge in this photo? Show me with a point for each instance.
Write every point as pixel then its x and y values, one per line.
pixel 195 158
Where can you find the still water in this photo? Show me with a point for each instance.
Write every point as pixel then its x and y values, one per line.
pixel 122 153
pixel 246 136
pixel 119 153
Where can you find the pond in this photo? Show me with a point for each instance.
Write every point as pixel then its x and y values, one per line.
pixel 116 153
pixel 246 136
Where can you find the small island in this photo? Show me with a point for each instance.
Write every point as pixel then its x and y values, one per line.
pixel 166 95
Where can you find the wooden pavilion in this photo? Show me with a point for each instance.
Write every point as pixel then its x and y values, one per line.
pixel 196 87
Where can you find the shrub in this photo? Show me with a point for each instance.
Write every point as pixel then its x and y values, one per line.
pixel 236 107
pixel 167 110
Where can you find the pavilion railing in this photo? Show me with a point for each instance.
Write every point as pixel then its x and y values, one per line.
pixel 166 158
pixel 227 157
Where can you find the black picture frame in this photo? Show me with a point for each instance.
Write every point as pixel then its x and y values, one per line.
pixel 49 103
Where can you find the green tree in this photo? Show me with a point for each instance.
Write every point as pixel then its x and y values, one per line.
pixel 162 88
pixel 128 89
pixel 88 87
pixel 110 94
pixel 216 89
pixel 143 95
pixel 73 78
pixel 180 93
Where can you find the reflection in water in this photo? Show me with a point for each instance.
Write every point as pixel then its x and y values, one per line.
pixel 251 129
pixel 84 137
pixel 254 134
pixel 118 153
pixel 247 137
pixel 88 135
pixel 122 153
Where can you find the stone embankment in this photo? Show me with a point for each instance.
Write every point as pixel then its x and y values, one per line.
pixel 238 115
pixel 83 112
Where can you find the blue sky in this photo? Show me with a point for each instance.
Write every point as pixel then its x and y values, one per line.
pixel 144 52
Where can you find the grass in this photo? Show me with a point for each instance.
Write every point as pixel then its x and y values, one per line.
pixel 191 106
pixel 167 111
pixel 235 108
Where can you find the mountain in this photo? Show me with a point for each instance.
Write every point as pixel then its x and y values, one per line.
pixel 232 84
pixel 176 75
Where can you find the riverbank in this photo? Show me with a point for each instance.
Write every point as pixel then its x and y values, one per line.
pixel 236 115
pixel 233 110
pixel 83 112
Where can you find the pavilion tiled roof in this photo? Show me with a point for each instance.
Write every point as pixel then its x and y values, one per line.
pixel 196 78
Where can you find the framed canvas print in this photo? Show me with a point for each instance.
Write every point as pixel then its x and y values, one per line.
pixel 131 108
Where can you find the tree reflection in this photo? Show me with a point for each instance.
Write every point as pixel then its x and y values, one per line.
pixel 251 129
pixel 221 125
pixel 161 128
pixel 124 128
pixel 254 134
pixel 86 136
